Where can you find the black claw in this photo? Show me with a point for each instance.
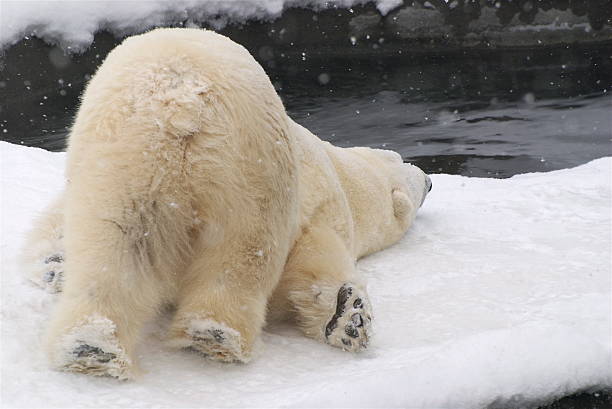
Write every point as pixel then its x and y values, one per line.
pixel 217 334
pixel 358 303
pixel 49 276
pixel 55 258
pixel 347 342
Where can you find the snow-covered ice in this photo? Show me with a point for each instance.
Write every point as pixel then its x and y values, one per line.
pixel 75 23
pixel 500 291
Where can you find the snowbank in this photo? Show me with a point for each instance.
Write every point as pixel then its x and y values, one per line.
pixel 501 291
pixel 75 23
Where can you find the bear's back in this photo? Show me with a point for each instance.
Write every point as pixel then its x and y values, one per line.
pixel 177 81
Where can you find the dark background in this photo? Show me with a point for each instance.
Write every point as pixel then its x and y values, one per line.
pixel 480 109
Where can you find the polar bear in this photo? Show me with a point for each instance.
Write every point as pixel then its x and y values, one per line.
pixel 188 185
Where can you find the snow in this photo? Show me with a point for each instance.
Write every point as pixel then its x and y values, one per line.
pixel 500 292
pixel 73 24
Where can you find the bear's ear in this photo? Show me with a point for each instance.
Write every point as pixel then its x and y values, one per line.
pixel 402 207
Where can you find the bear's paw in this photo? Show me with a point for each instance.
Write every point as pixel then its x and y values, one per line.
pixel 212 339
pixel 52 278
pixel 350 328
pixel 93 348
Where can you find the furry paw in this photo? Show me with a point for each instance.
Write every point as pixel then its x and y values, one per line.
pixel 93 348
pixel 95 361
pixel 211 339
pixel 53 277
pixel 351 325
pixel 50 273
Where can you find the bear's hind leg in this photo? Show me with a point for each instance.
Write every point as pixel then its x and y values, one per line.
pixel 319 285
pixel 106 299
pixel 223 299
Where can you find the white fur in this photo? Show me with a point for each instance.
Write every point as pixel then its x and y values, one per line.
pixel 189 185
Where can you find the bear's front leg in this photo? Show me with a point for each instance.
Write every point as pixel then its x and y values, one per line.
pixel 320 286
pixel 223 296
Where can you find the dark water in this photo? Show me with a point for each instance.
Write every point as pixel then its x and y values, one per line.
pixel 478 113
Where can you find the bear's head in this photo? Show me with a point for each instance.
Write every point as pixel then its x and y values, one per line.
pixel 391 193
pixel 408 178
pixel 409 185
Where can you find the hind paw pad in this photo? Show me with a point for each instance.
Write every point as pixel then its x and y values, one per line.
pixel 213 340
pixel 95 361
pixel 88 352
pixel 93 348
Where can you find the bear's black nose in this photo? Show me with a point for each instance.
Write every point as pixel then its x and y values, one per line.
pixel 427 189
